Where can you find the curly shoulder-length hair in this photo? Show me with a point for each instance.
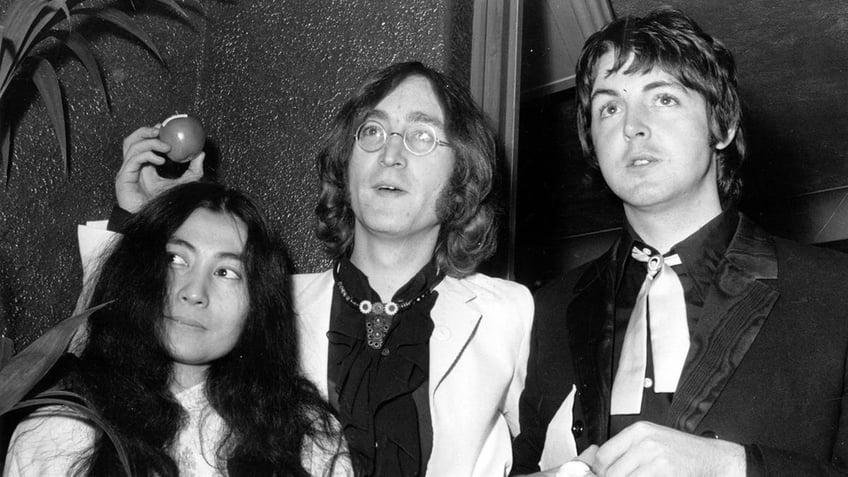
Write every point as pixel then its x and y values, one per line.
pixel 668 39
pixel 467 208
pixel 271 412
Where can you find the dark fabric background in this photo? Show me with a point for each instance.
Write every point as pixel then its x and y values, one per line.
pixel 264 77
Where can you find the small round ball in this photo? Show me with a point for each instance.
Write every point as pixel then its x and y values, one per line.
pixel 184 134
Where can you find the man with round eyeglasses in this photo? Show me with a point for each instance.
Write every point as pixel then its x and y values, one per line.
pixel 423 359
pixel 419 138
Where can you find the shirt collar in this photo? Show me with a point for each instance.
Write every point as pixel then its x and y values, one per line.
pixel 700 253
pixel 357 283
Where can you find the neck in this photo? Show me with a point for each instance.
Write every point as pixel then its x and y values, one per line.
pixel 187 375
pixel 388 263
pixel 666 228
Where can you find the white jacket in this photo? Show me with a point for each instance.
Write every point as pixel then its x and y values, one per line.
pixel 478 360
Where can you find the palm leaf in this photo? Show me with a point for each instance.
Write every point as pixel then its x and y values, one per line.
pixel 124 22
pixel 173 5
pixel 27 368
pixel 7 349
pixel 46 20
pixel 5 143
pixel 81 48
pixel 24 22
pixel 45 79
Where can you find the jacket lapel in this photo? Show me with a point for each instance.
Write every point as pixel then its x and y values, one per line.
pixel 733 313
pixel 313 296
pixel 590 321
pixel 455 319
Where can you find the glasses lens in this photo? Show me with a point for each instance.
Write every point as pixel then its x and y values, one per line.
pixel 371 136
pixel 420 139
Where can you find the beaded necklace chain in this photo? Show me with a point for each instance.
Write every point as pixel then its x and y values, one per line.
pixel 378 315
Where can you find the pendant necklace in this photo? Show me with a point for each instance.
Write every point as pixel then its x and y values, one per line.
pixel 378 315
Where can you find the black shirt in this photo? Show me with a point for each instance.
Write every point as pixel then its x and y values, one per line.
pixel 379 386
pixel 700 254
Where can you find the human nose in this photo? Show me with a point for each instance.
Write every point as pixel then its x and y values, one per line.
pixel 193 290
pixel 635 124
pixel 394 152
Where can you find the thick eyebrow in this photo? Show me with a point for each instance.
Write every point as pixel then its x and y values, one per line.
pixel 648 87
pixel 188 245
pixel 604 92
pixel 666 84
pixel 412 117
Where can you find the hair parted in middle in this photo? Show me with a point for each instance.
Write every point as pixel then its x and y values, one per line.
pixel 467 208
pixel 670 40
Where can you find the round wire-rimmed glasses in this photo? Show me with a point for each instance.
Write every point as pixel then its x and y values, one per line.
pixel 418 138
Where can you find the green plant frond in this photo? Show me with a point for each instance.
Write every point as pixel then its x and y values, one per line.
pixel 56 19
pixel 45 79
pixel 69 399
pixel 124 22
pixel 174 6
pixel 28 22
pixel 20 375
pixel 5 146
pixel 25 21
pixel 82 49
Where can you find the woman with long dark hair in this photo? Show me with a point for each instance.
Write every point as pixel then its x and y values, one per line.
pixel 194 362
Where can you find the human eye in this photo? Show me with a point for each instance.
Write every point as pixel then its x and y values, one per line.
pixel 229 272
pixel 420 138
pixel 422 134
pixel 608 109
pixel 371 129
pixel 176 261
pixel 665 99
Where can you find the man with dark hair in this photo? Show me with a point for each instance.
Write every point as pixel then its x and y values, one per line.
pixel 423 359
pixel 727 356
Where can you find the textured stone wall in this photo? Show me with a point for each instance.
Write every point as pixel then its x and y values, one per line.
pixel 264 76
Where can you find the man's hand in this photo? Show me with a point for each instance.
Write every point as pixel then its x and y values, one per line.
pixel 137 182
pixel 645 449
pixel 577 467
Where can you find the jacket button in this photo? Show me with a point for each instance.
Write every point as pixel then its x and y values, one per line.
pixel 577 428
pixel 709 435
pixel 442 333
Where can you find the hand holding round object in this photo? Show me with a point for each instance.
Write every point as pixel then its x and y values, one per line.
pixel 184 134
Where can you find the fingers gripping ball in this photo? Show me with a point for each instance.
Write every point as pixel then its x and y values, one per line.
pixel 184 134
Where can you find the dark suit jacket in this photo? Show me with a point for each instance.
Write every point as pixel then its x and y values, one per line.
pixel 766 367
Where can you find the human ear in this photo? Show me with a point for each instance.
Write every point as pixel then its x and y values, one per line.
pixel 728 138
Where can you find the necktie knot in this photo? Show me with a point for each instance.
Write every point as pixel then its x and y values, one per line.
pixel 654 261
pixel 661 297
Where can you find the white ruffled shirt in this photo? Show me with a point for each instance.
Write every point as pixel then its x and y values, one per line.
pixel 51 441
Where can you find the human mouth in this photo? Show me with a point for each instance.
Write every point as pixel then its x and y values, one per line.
pixel 187 322
pixel 388 188
pixel 641 160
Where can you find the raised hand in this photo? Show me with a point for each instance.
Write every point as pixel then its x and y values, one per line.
pixel 137 182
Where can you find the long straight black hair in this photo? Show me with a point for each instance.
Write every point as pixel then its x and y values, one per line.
pixel 270 410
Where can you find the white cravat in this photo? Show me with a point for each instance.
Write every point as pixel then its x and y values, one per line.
pixel 661 295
